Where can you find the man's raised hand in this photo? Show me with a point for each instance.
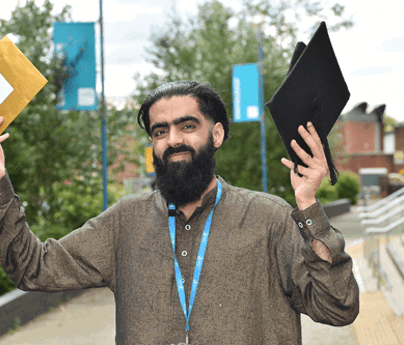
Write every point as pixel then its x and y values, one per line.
pixel 317 168
pixel 306 186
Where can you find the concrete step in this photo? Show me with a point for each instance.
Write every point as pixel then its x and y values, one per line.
pixel 392 284
pixel 394 296
pixel 396 253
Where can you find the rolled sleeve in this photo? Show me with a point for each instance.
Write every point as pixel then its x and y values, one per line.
pixel 327 292
pixel 314 224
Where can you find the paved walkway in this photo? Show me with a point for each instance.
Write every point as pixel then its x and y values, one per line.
pixel 86 319
pixel 376 323
pixel 90 318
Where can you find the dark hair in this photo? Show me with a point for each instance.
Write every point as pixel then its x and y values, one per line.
pixel 210 103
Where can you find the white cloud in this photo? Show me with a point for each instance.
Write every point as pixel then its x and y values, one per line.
pixel 115 12
pixel 6 9
pixel 372 70
pixel 119 80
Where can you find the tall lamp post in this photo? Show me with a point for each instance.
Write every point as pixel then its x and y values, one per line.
pixel 262 115
pixel 104 120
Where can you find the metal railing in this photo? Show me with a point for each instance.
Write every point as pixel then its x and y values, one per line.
pixel 383 201
pixel 385 217
pixel 374 236
pixel 383 208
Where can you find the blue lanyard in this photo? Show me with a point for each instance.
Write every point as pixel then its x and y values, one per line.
pixel 199 260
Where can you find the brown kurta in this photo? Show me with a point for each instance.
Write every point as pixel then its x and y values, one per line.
pixel 260 271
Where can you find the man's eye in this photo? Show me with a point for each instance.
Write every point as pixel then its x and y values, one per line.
pixel 159 132
pixel 188 126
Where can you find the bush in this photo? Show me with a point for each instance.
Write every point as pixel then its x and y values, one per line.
pixel 348 186
pixel 76 204
pixel 326 193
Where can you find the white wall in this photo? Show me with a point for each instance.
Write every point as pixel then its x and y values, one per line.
pixel 389 143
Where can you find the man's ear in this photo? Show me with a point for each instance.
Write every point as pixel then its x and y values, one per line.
pixel 218 134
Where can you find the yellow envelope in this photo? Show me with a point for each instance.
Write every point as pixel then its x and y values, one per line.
pixel 20 81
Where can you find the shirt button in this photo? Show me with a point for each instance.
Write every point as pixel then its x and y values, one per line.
pixel 184 253
pixel 309 222
pixel 187 227
pixel 300 225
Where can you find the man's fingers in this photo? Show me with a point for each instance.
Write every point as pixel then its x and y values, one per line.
pixel 4 137
pixel 303 155
pixel 289 164
pixel 313 132
pixel 311 138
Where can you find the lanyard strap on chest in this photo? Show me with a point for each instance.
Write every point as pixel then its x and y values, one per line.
pixel 199 260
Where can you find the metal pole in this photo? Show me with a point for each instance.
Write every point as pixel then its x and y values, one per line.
pixel 104 120
pixel 262 121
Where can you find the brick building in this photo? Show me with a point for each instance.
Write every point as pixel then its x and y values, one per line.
pixel 363 141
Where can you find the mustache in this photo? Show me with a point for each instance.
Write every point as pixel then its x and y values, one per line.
pixel 183 148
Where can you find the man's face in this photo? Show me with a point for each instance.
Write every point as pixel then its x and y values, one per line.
pixel 178 121
pixel 183 148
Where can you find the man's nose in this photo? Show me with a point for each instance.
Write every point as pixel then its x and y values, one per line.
pixel 175 138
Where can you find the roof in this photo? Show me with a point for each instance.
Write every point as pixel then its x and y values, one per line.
pixel 359 114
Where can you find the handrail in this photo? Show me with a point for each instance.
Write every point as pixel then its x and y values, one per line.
pixel 381 209
pixel 386 229
pixel 372 246
pixel 381 202
pixel 384 218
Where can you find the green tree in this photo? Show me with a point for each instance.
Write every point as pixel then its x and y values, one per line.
pixel 48 146
pixel 54 157
pixel 389 123
pixel 205 47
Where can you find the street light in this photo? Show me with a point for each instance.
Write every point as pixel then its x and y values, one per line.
pixel 262 101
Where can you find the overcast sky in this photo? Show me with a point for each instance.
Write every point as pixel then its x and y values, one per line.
pixel 371 54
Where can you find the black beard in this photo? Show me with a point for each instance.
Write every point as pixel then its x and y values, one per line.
pixel 183 182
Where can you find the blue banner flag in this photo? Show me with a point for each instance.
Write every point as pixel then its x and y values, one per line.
pixel 75 49
pixel 246 100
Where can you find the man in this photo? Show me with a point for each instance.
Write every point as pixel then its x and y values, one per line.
pixel 245 263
